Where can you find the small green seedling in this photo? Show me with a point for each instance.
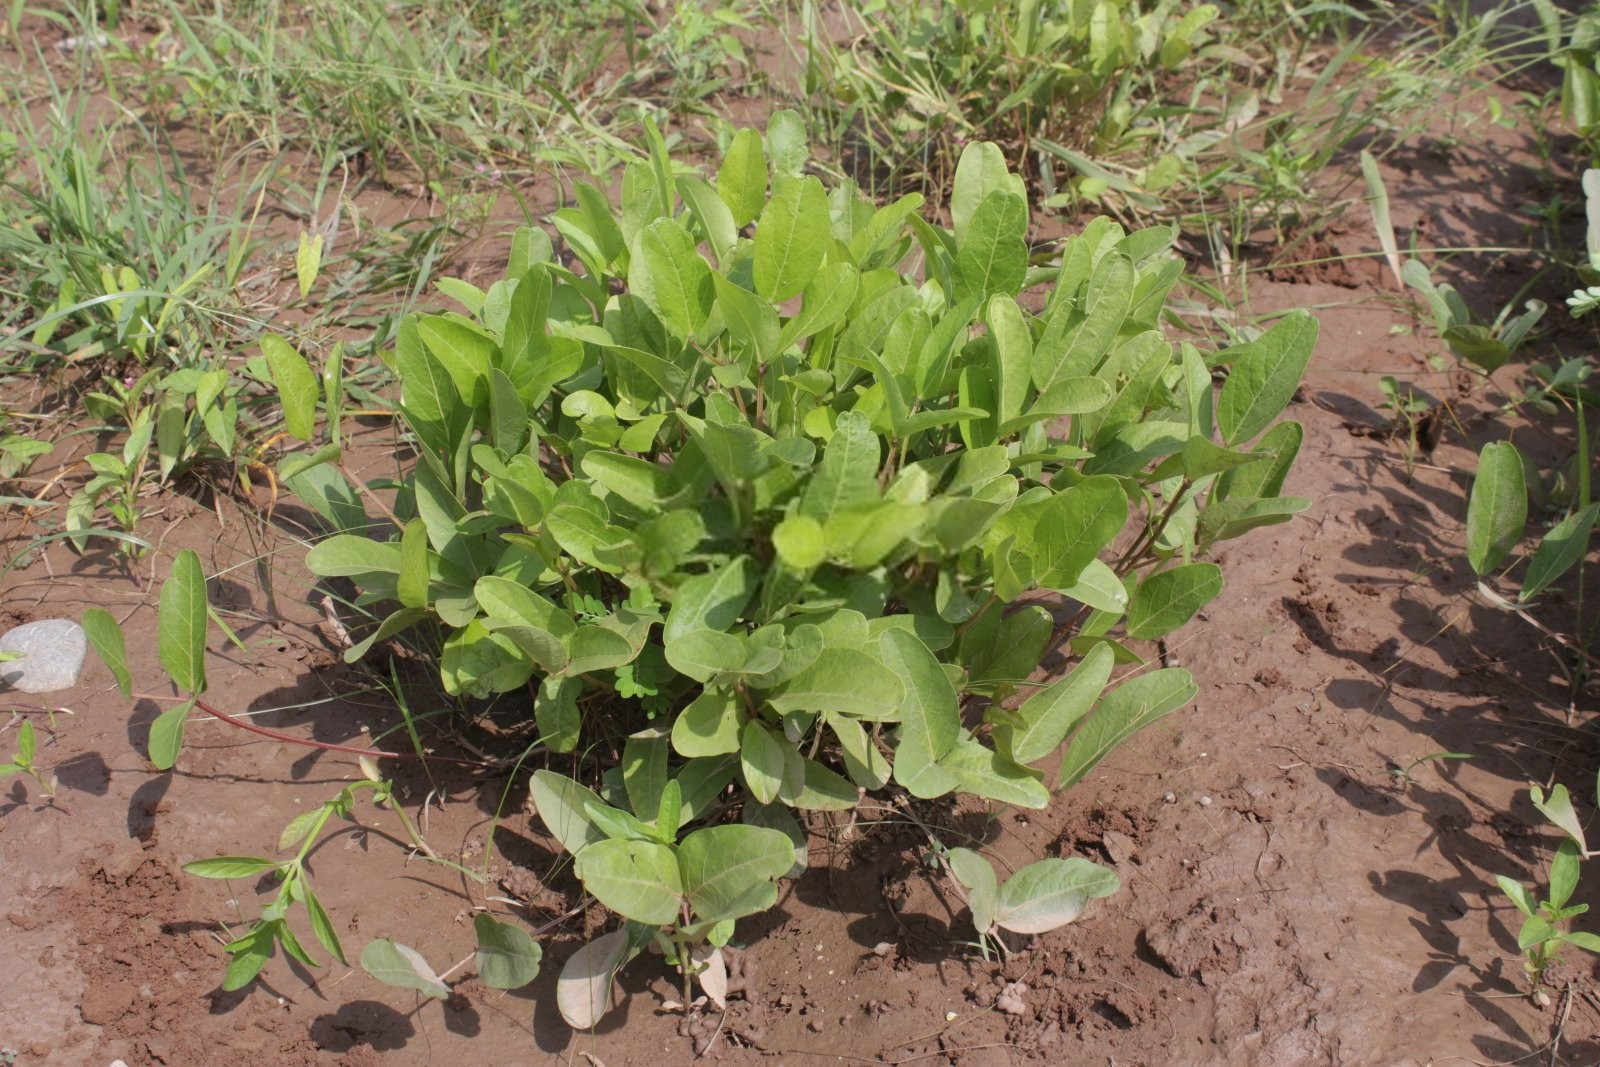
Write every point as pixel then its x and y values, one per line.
pixel 1545 922
pixel 1040 897
pixel 23 761
pixel 251 951
pixel 684 896
pixel 1402 775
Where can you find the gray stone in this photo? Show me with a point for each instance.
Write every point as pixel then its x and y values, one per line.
pixel 52 656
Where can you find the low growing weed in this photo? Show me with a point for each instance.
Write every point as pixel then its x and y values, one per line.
pixel 1546 924
pixel 781 498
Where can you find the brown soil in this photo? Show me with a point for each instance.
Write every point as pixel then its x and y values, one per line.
pixel 1287 897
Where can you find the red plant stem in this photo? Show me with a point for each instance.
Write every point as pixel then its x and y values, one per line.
pixel 328 746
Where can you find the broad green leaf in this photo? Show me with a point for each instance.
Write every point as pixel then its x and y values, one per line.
pixel 1071 528
pixel 181 622
pixel 822 789
pixel 1044 719
pixel 1099 588
pixel 638 880
pixel 709 726
pixel 1167 599
pixel 761 757
pixel 647 486
pixel 827 300
pixel 403 966
pixel 644 772
pixel 723 868
pixel 1068 396
pixel 562 805
pixel 780 818
pixel 1535 931
pixel 980 171
pixel 296 385
pixel 1498 508
pixel 229 867
pixel 786 143
pixel 1558 809
pixel 584 991
pixel 1128 708
pixel 1263 375
pixel 1224 519
pixel 1264 477
pixel 1564 873
pixel 712 601
pixel 1519 895
pixel 930 723
pixel 742 178
pixel 866 765
pixel 556 713
pixel 607 642
pixel 1014 351
pixel 750 319
pixel 411 586
pixel 1565 544
pixel 667 273
pixel 250 953
pixel 1072 344
pixel 507 957
pixel 1051 893
pixel 106 638
pixel 508 416
pixel 536 625
pixel 791 239
pixel 983 772
pixel 1200 458
pixel 994 256
pixel 722 233
pixel 976 874
pixel 701 782
pixel 846 681
pixel 462 351
pixel 798 542
pixel 1006 646
pixel 167 735
pixel 704 654
pixel 848 473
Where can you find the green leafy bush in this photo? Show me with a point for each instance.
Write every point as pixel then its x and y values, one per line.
pixel 754 507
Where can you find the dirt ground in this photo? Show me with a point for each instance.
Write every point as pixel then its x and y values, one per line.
pixel 1287 898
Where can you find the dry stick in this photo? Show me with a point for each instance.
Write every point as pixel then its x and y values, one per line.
pixel 326 746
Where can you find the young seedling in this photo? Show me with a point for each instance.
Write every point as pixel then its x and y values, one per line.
pixel 22 762
pixel 683 896
pixel 1040 897
pixel 1546 923
pixel 252 950
pixel 1402 775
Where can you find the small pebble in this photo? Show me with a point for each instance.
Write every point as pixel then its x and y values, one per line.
pixel 1205 802
pixel 52 652
pixel 1170 798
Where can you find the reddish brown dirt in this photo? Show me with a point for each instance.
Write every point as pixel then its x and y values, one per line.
pixel 1287 898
